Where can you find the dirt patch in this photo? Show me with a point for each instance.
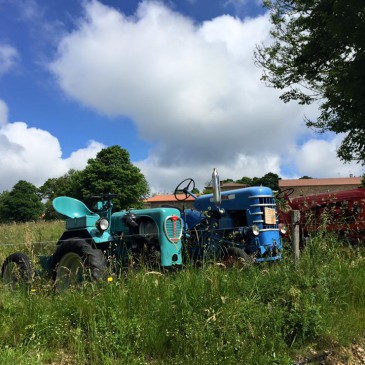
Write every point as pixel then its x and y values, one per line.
pixel 353 355
pixel 338 355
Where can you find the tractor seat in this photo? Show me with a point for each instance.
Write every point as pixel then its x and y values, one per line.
pixel 71 208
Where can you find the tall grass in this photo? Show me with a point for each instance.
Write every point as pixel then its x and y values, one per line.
pixel 32 238
pixel 259 314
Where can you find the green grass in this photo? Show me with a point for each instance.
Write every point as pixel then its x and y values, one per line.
pixel 261 314
pixel 32 238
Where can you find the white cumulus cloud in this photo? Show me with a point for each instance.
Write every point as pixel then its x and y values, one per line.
pixel 317 158
pixel 192 89
pixel 3 113
pixel 35 155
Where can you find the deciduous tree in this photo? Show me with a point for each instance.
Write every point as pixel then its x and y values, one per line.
pixel 66 185
pixel 270 180
pixel 21 204
pixel 318 55
pixel 245 180
pixel 112 172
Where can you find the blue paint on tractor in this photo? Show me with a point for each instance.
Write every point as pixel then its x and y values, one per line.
pixel 243 221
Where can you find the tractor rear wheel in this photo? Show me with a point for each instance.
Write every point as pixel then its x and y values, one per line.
pixel 17 270
pixel 75 261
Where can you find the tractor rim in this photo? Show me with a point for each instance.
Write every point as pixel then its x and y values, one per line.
pixel 70 271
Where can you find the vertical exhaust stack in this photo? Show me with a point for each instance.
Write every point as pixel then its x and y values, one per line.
pixel 217 197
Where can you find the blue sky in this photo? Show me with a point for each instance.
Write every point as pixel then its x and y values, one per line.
pixel 173 82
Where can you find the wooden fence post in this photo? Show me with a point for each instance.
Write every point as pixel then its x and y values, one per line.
pixel 295 219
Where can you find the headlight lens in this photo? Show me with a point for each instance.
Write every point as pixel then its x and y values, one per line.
pixel 102 224
pixel 283 229
pixel 255 230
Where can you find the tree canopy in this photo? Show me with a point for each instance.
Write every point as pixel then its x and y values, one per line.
pixel 112 172
pixel 270 180
pixel 318 55
pixel 66 185
pixel 21 204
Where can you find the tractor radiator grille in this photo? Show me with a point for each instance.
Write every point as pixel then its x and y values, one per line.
pixel 173 228
pixel 265 212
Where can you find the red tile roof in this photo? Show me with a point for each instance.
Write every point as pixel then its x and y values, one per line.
pixel 320 182
pixel 167 198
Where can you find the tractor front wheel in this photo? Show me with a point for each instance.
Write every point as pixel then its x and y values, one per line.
pixel 17 270
pixel 75 261
pixel 236 255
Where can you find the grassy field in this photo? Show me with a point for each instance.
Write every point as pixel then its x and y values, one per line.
pixel 259 314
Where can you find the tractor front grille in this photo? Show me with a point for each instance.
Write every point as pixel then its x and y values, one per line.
pixel 173 228
pixel 265 212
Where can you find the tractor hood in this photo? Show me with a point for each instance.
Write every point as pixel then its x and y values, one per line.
pixel 232 199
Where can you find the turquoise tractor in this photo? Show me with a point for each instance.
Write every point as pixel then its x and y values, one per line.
pixel 99 242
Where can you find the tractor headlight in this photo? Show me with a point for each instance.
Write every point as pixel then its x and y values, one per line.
pixel 283 229
pixel 102 224
pixel 255 230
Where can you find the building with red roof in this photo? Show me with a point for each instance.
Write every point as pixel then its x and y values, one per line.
pixel 306 187
pixel 170 201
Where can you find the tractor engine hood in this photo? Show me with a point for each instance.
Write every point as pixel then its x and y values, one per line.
pixel 232 199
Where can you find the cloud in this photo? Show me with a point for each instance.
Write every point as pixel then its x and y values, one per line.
pixel 9 58
pixel 3 113
pixel 192 89
pixel 35 155
pixel 165 179
pixel 317 158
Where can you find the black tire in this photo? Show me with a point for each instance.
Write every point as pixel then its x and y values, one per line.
pixel 17 270
pixel 235 254
pixel 74 261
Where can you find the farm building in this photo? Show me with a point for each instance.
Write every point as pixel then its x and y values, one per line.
pixel 169 200
pixel 305 187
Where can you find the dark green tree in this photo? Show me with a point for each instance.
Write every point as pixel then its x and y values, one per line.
pixel 270 180
pixel 66 185
pixel 227 181
pixel 305 177
pixel 112 172
pixel 318 55
pixel 21 204
pixel 245 180
pixel 3 212
pixel 196 191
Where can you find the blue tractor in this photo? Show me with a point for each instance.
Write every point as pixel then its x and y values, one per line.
pixel 240 223
pixel 98 242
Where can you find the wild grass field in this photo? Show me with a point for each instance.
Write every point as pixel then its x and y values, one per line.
pixel 257 314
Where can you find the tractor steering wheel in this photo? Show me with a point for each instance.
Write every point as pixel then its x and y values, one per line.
pixel 285 193
pixel 189 186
